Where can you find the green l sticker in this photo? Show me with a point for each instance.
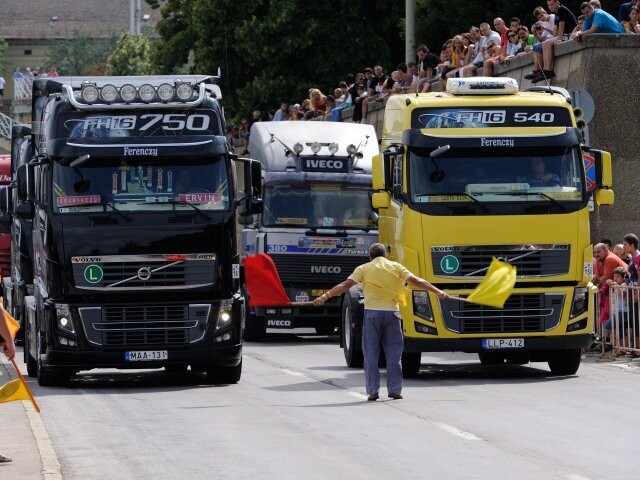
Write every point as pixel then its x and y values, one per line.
pixel 93 273
pixel 449 264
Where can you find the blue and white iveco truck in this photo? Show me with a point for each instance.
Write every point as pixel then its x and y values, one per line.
pixel 317 223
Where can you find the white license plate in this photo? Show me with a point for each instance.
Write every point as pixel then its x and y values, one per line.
pixel 490 343
pixel 146 355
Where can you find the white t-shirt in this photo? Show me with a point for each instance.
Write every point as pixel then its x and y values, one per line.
pixel 2 82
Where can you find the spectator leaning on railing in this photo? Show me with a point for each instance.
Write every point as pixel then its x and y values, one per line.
pixel 597 21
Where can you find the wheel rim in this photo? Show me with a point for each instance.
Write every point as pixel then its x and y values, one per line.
pixel 347 328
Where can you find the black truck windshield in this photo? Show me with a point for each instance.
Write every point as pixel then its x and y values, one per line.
pixel 319 205
pixel 140 186
pixel 524 175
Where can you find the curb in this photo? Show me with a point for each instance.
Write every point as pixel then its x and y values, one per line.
pixel 51 469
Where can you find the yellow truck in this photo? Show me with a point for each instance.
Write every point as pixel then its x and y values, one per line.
pixel 485 170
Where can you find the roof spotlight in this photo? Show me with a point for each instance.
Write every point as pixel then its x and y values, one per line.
pixel 89 93
pixel 184 91
pixel 315 147
pixel 297 148
pixel 352 149
pixel 333 148
pixel 108 93
pixel 166 92
pixel 147 93
pixel 128 93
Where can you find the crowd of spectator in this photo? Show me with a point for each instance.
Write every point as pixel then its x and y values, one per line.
pixel 467 54
pixel 616 266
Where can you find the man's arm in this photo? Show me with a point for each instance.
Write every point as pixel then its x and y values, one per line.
pixel 339 289
pixel 422 284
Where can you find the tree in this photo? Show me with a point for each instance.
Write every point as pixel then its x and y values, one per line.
pixel 3 54
pixel 79 53
pixel 132 56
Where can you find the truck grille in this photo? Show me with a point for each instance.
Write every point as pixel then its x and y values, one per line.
pixel 154 325
pixel 315 269
pixel 530 260
pixel 521 314
pixel 144 272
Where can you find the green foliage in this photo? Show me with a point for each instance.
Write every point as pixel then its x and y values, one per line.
pixel 132 56
pixel 3 54
pixel 275 50
pixel 74 56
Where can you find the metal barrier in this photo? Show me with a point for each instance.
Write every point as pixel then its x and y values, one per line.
pixel 6 123
pixel 22 87
pixel 621 333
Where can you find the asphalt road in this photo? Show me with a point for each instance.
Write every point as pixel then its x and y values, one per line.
pixel 299 413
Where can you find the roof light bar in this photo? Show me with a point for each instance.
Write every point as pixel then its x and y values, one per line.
pixel 147 93
pixel 109 93
pixel 89 93
pixel 184 91
pixel 482 86
pixel 166 92
pixel 128 93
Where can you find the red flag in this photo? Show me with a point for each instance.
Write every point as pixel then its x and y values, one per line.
pixel 263 282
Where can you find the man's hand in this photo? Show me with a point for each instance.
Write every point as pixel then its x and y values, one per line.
pixel 320 300
pixel 442 295
pixel 9 349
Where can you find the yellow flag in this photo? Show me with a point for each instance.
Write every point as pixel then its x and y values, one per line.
pixel 496 286
pixel 14 390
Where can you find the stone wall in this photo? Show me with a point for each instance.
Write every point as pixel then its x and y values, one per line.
pixel 608 67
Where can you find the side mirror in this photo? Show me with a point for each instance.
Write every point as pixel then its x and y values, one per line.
pixel 25 211
pixel 253 186
pixel 25 182
pixel 604 197
pixel 6 200
pixel 381 200
pixel 5 222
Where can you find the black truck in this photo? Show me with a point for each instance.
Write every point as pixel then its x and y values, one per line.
pixel 132 193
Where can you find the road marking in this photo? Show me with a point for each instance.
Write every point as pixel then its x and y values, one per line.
pixel 361 396
pixel 575 476
pixel 456 431
pixel 50 464
pixel 291 372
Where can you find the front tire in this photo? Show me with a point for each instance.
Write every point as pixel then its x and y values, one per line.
pixel 565 362
pixel 411 364
pixel 224 375
pixel 352 348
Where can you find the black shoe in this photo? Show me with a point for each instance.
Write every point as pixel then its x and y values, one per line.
pixel 395 396
pixel 539 78
pixel 373 397
pixel 549 74
pixel 532 75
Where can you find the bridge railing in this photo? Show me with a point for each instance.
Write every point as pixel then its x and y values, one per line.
pixel 6 123
pixel 22 87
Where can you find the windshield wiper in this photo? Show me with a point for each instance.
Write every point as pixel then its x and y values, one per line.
pixel 464 194
pixel 175 202
pixel 104 204
pixel 542 194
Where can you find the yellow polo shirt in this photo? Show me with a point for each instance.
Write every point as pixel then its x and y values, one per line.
pixel 382 282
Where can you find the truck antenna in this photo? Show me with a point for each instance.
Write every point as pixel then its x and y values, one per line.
pixel 286 148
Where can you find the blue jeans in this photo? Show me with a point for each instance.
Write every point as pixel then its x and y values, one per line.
pixel 382 327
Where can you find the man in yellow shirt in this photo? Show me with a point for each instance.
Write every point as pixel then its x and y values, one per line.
pixel 382 282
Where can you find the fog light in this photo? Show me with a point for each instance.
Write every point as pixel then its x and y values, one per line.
pixel 422 328
pixel 67 342
pixel 582 324
pixel 286 311
pixel 270 311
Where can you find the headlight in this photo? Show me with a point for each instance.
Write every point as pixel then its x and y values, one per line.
pixel 225 313
pixel 166 92
pixel 580 301
pixel 109 93
pixel 147 93
pixel 184 91
pixel 89 93
pixel 63 318
pixel 128 93
pixel 421 305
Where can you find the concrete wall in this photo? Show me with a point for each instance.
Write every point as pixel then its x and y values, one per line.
pixel 608 67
